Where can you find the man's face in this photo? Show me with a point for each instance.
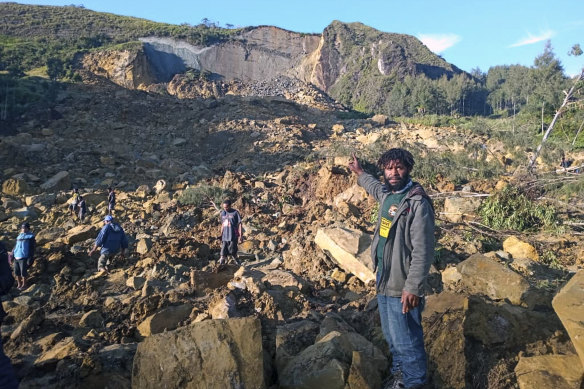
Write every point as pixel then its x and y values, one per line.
pixel 226 206
pixel 396 175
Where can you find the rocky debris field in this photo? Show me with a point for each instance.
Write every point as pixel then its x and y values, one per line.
pixel 301 309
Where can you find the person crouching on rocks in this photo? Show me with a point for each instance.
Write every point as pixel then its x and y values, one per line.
pixel 231 232
pixel 23 254
pixel 111 238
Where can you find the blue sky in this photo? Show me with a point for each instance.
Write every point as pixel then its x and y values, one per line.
pixel 468 34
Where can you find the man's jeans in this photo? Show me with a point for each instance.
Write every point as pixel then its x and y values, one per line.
pixel 404 334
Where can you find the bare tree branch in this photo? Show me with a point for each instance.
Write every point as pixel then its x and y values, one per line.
pixel 556 116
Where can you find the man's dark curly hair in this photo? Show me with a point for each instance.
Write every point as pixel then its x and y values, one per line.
pixel 401 155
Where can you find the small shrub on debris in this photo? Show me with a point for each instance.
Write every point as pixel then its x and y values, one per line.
pixel 511 209
pixel 203 194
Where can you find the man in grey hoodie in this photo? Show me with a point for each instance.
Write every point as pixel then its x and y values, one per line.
pixel 402 251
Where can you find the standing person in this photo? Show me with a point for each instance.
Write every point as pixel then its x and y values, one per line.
pixel 111 200
pixel 7 376
pixel 74 201
pixel 402 251
pixel 82 208
pixel 111 238
pixel 231 232
pixel 23 254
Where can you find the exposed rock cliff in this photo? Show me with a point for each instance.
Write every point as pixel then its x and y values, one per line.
pixel 127 68
pixel 353 63
pixel 257 54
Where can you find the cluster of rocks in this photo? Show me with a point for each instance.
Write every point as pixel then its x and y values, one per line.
pixel 300 312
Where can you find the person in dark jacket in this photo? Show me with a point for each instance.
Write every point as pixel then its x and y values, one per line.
pixel 111 239
pixel 7 377
pixel 82 206
pixel 231 232
pixel 23 254
pixel 111 200
pixel 402 251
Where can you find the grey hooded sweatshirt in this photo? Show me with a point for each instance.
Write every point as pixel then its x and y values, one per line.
pixel 409 250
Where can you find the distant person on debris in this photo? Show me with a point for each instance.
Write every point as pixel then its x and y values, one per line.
pixel 111 239
pixel 231 232
pixel 82 208
pixel 7 376
pixel 564 164
pixel 111 200
pixel 74 201
pixel 23 254
pixel 402 251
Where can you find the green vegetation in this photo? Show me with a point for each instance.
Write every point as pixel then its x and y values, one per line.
pixel 202 194
pixel 19 95
pixel 511 209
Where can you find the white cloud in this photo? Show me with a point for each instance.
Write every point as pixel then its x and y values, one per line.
pixel 531 39
pixel 439 42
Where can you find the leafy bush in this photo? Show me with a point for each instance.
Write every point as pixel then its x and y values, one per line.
pixel 513 210
pixel 201 194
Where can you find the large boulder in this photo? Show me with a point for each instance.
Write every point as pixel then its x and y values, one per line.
pixel 519 249
pixel 326 364
pixel 165 319
pixel 486 276
pixel 60 181
pixel 80 233
pixel 91 319
pixel 49 235
pixel 211 354
pixel 549 371
pixel 349 248
pixel 458 208
pixel 292 338
pixel 285 280
pixel 67 348
pixel 15 187
pixel 28 213
pixel 570 309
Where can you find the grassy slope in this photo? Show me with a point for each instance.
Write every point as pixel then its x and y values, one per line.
pixel 30 34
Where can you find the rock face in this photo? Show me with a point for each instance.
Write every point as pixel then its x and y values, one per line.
pixel 257 54
pixel 568 306
pixel 209 354
pixel 350 249
pixel 127 68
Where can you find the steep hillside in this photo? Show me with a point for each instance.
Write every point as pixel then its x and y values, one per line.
pixel 355 64
pixel 358 65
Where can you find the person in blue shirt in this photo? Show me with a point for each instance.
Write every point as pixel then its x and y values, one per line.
pixel 23 254
pixel 111 239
